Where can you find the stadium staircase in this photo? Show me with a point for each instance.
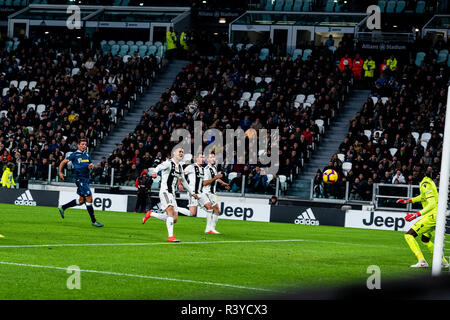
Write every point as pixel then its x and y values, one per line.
pixel 331 140
pixel 131 119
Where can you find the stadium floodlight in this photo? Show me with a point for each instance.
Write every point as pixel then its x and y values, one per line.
pixel 443 196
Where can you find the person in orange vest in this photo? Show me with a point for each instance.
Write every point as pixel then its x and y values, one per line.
pixel 383 66
pixel 346 62
pixel 357 67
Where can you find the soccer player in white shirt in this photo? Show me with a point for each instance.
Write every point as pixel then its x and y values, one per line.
pixel 211 178
pixel 171 172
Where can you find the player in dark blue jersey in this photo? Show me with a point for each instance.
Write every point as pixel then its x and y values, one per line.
pixel 82 164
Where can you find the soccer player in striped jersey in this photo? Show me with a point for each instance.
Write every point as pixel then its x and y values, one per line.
pixel 171 171
pixel 195 174
pixel 211 178
pixel 425 227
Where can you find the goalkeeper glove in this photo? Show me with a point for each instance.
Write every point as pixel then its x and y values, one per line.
pixel 404 201
pixel 412 216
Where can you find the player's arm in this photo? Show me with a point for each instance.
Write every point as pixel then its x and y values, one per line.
pixel 160 167
pixel 185 184
pixel 211 180
pixel 61 167
pixel 224 184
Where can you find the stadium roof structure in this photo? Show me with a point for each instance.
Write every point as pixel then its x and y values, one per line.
pixel 288 18
pixel 101 16
pixel 438 24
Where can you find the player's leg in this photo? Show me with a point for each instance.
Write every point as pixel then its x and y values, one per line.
pixel 426 240
pixel 165 202
pixel 209 212
pixel 171 214
pixel 192 205
pixel 414 246
pixel 215 218
pixel 90 210
pixel 70 204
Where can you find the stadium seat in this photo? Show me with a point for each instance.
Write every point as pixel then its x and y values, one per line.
pixel 341 157
pixel 239 46
pixel 231 176
pixel 75 71
pixel 443 51
pixel 320 124
pixel 390 8
pixel 279 4
pixel 148 43
pixel 203 93
pixel 115 49
pixel 442 57
pixel 3 112
pixel 296 104
pixel 139 43
pixel 329 7
pixel 393 151
pixel 130 43
pixel 424 144
pixel 5 90
pixel 332 48
pixel 126 58
pixel 31 105
pixel 268 6
pixel 258 80
pixel 22 84
pixel 14 83
pixel 368 133
pixel 142 51
pixel 251 104
pixel 296 53
pixel 158 44
pixel 283 182
pixel 426 136
pixel 248 46
pixel 306 105
pixel 384 99
pixel 152 50
pixel 111 42
pixel 415 135
pixel 400 6
pixel 382 5
pixel 39 109
pixel 298 4
pixel 306 54
pixel 307 6
pixel 268 80
pixel 300 98
pixel 134 48
pixel 310 98
pixel 121 42
pixel 246 96
pixel 346 167
pixel 255 96
pixel 420 8
pixel 288 5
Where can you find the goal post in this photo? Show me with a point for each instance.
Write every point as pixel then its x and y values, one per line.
pixel 443 195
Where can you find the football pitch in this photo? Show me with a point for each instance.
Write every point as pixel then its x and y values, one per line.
pixel 128 260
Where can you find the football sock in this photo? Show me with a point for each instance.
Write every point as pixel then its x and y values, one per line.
pixel 414 246
pixel 159 215
pixel 209 214
pixel 185 212
pixel 70 204
pixel 214 219
pixel 90 210
pixel 169 224
pixel 430 246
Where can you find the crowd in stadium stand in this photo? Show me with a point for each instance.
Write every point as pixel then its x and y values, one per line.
pixel 217 86
pixel 400 126
pixel 53 95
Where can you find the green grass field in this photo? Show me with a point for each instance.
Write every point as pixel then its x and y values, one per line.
pixel 128 260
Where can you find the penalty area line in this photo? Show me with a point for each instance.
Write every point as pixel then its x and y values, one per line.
pixel 140 276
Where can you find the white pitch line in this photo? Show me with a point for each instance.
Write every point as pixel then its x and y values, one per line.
pixel 143 243
pixel 141 276
pixel 197 242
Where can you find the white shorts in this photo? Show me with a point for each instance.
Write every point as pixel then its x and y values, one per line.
pixel 167 199
pixel 212 198
pixel 201 201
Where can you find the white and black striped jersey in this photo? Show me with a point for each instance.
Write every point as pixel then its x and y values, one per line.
pixel 210 172
pixel 195 175
pixel 170 173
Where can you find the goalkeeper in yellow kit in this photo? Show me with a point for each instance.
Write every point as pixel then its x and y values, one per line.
pixel 427 224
